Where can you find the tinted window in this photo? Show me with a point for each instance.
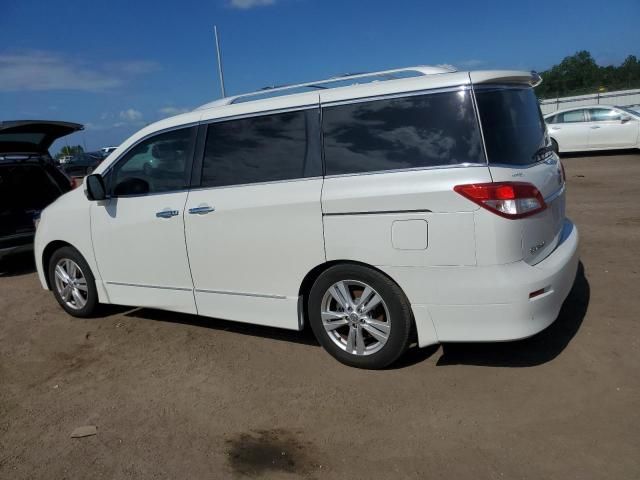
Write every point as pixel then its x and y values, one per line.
pixel 604 114
pixel 158 164
pixel 409 132
pixel 513 128
pixel 262 149
pixel 574 116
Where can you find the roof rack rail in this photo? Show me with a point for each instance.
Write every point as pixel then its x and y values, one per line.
pixel 320 84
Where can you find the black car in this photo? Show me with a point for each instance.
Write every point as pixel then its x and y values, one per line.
pixel 29 178
pixel 83 164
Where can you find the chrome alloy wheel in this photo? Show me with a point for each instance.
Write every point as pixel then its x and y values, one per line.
pixel 355 317
pixel 71 284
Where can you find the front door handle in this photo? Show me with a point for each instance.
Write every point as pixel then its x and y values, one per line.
pixel 201 210
pixel 593 127
pixel 167 213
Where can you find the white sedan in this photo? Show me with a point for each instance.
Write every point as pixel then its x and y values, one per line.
pixel 596 127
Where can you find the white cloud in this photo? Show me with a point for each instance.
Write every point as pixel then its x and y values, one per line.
pixel 130 115
pixel 42 71
pixel 170 111
pixel 247 4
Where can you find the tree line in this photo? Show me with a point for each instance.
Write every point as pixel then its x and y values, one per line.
pixel 70 151
pixel 579 74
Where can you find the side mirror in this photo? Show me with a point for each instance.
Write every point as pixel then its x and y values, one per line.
pixel 95 187
pixel 625 118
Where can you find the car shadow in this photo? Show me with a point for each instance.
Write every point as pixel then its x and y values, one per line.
pixel 536 350
pixel 17 264
pixel 304 337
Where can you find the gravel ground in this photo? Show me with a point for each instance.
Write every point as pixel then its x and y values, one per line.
pixel 178 396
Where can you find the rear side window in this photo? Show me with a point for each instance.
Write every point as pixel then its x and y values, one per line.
pixel 513 128
pixel 411 132
pixel 267 148
pixel 574 116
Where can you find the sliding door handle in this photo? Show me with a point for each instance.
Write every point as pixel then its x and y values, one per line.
pixel 201 210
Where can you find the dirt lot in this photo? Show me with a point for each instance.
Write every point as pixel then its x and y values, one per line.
pixel 177 396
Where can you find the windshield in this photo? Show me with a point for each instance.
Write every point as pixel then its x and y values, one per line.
pixel 512 125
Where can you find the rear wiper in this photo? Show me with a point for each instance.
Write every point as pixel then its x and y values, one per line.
pixel 542 152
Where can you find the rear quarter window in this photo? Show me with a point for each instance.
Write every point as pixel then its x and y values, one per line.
pixel 410 132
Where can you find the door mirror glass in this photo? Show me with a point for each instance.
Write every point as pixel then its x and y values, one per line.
pixel 95 187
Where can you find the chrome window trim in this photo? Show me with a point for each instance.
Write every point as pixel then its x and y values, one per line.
pixel 262 113
pixel 271 182
pixel 412 169
pixel 391 96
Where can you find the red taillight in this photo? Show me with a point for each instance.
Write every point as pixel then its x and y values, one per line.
pixel 507 199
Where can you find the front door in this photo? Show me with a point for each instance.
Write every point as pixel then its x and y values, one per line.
pixel 254 228
pixel 138 233
pixel 608 130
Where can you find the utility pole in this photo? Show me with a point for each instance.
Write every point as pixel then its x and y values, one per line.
pixel 220 72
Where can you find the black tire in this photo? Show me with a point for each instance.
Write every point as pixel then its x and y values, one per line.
pixel 554 146
pixel 398 307
pixel 72 254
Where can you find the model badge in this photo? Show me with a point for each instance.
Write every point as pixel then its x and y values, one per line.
pixel 535 248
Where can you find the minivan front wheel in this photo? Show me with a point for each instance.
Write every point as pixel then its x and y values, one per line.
pixel 72 282
pixel 360 316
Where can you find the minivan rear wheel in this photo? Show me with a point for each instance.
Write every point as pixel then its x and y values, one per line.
pixel 72 282
pixel 360 316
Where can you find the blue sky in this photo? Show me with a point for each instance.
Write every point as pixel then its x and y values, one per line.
pixel 117 65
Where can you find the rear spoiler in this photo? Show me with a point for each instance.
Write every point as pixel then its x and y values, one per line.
pixel 532 79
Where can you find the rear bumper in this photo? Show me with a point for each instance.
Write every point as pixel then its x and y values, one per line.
pixel 487 304
pixel 513 315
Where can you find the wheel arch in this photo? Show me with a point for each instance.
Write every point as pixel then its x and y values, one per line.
pixel 47 253
pixel 315 272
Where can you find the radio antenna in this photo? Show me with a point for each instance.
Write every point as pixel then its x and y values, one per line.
pixel 220 72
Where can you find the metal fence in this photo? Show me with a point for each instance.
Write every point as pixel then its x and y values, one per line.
pixel 622 98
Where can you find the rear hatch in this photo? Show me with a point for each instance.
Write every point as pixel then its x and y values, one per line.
pixel 518 151
pixel 28 179
pixel 33 136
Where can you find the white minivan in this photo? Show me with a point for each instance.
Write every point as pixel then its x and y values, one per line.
pixel 418 205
